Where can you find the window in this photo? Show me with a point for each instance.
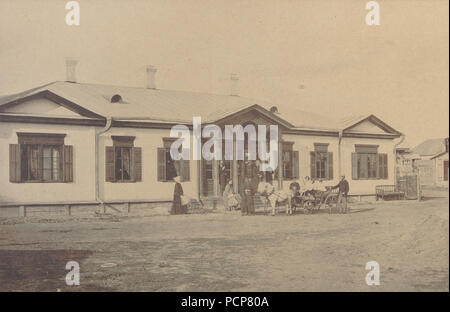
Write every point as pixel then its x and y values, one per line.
pixel 290 161
pixel 41 157
pixel 169 168
pixel 123 163
pixel 321 162
pixel 123 160
pixel 368 164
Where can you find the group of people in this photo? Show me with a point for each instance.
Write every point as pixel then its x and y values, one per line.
pixel 317 188
pixel 297 189
pixel 245 200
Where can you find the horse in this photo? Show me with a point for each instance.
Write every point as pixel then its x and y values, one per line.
pixel 275 197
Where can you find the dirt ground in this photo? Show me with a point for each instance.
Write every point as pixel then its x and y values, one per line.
pixel 228 252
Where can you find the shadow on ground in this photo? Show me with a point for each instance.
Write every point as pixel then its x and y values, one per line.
pixel 38 270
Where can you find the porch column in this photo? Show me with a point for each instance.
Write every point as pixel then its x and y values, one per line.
pixel 235 175
pixel 199 177
pixel 280 163
pixel 215 168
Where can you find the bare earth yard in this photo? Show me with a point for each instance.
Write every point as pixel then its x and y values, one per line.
pixel 227 252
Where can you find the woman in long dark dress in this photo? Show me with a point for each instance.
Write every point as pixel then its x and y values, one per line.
pixel 177 207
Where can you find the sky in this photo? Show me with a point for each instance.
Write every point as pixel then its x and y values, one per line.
pixel 317 55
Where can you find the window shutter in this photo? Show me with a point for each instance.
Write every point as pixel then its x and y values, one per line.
pixel 14 163
pixel 363 166
pixel 109 164
pixel 382 166
pixel 385 166
pixel 185 170
pixel 161 164
pixel 68 163
pixel 380 170
pixel 295 165
pixel 355 166
pixel 313 165
pixel 330 165
pixel 136 154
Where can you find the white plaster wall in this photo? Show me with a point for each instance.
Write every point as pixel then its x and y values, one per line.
pixel 385 146
pixel 149 188
pixel 304 144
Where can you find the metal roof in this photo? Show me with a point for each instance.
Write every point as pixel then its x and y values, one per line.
pixel 142 104
pixel 430 147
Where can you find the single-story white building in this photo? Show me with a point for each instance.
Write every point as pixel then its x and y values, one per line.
pixel 74 142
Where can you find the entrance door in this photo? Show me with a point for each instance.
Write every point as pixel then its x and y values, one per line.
pixel 247 169
pixel 207 178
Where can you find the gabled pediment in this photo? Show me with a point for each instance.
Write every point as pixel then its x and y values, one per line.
pixel 367 127
pixel 46 104
pixel 256 115
pixel 41 107
pixel 371 125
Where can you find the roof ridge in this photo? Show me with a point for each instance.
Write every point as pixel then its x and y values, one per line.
pixel 157 89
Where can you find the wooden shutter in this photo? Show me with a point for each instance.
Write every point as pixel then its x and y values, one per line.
pixel 381 169
pixel 136 162
pixel 386 171
pixel 295 165
pixel 185 170
pixel 363 167
pixel 67 163
pixel 379 164
pixel 110 164
pixel 313 165
pixel 329 166
pixel 14 163
pixel 161 164
pixel 355 166
pixel 382 166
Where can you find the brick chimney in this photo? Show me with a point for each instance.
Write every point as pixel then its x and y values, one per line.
pixel 151 72
pixel 71 66
pixel 234 82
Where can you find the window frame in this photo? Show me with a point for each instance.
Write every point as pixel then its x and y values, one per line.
pixel 40 140
pixel 369 164
pixel 116 154
pixel 321 158
pixel 178 165
pixel 121 143
pixel 321 161
pixel 288 165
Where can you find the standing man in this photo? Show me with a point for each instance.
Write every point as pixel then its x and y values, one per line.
pixel 255 174
pixel 343 189
pixel 247 205
pixel 293 197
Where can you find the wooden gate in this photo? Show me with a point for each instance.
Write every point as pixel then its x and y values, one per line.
pixel 409 185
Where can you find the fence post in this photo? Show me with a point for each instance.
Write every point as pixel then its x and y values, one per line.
pixel 68 209
pixel 22 211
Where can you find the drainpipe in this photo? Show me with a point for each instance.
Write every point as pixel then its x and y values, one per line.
pixel 97 160
pixel 402 138
pixel 339 153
